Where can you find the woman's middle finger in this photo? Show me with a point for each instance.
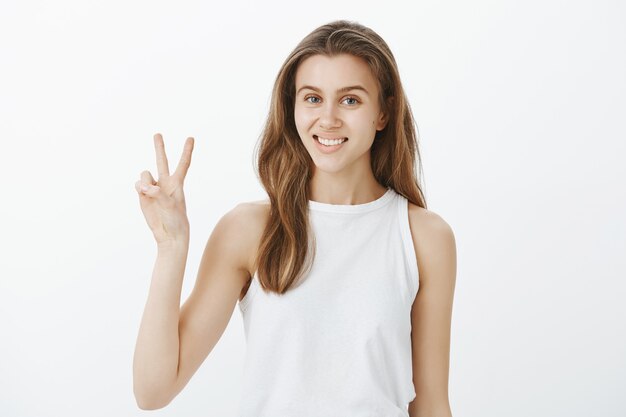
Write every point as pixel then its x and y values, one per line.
pixel 161 158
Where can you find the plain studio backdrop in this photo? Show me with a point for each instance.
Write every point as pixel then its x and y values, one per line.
pixel 520 107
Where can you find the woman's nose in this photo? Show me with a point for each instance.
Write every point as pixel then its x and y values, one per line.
pixel 329 117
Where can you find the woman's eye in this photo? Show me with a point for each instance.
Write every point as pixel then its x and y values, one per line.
pixel 316 98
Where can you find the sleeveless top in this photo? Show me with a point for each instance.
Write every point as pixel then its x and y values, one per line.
pixel 339 343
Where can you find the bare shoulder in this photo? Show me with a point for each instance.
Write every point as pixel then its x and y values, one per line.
pixel 249 220
pixel 433 239
pixel 426 219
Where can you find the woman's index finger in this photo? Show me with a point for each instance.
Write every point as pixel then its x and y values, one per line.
pixel 185 158
pixel 161 158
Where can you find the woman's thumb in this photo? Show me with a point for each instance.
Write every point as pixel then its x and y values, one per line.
pixel 147 189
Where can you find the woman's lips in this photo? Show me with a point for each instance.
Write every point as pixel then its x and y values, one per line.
pixel 327 148
pixel 324 137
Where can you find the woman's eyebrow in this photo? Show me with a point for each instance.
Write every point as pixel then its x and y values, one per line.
pixel 341 90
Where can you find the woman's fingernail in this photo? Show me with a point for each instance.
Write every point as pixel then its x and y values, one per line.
pixel 144 188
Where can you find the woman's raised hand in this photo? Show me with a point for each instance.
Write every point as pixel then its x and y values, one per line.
pixel 163 201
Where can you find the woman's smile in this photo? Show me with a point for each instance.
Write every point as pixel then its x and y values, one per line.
pixel 328 145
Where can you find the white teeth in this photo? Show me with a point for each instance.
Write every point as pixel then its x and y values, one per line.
pixel 330 142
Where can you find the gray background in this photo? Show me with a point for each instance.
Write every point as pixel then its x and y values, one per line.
pixel 520 107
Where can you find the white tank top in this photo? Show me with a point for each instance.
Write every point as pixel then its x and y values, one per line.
pixel 339 343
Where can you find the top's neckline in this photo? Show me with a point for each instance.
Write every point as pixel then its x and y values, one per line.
pixel 353 208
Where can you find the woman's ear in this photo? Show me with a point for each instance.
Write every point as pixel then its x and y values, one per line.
pixel 382 121
pixel 383 118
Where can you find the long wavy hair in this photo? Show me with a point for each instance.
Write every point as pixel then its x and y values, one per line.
pixel 284 166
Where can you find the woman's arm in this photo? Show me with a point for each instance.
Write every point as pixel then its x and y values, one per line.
pixel 156 350
pixel 431 315
pixel 174 341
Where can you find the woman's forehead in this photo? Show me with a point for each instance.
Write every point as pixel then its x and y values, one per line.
pixel 335 74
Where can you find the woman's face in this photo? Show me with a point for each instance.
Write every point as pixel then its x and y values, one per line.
pixel 337 97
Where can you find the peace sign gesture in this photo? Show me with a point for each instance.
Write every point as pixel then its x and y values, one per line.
pixel 163 201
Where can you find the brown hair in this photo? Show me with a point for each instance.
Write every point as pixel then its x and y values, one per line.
pixel 284 166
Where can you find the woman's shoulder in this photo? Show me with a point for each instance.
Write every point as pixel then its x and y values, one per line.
pixel 248 214
pixel 265 202
pixel 248 220
pixel 433 238
pixel 256 211
pixel 251 215
pixel 423 218
pixel 426 225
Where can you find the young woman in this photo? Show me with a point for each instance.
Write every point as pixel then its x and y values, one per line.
pixel 344 279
